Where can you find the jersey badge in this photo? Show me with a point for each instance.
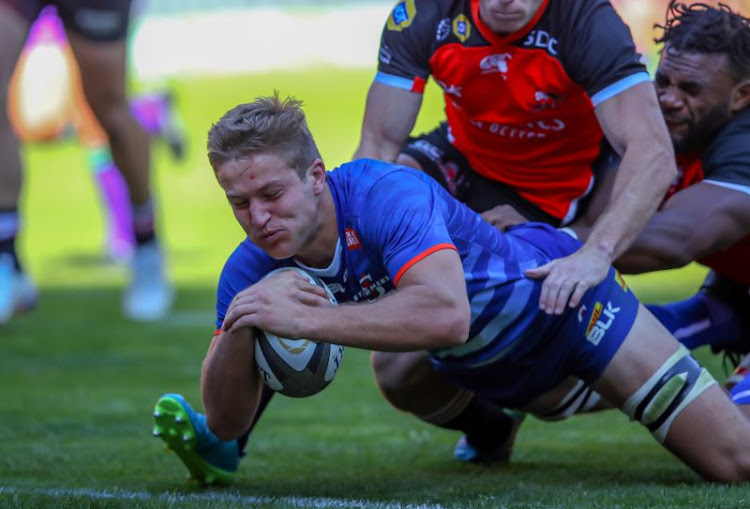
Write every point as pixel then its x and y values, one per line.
pixel 352 239
pixel 443 30
pixel 497 62
pixel 402 15
pixel 461 27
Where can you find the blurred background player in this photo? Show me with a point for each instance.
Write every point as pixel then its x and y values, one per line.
pixel 97 34
pixel 532 88
pixel 46 103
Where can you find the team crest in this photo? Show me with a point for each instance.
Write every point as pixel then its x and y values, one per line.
pixel 461 27
pixel 402 15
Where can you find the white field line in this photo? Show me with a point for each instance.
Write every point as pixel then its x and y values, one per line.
pixel 250 500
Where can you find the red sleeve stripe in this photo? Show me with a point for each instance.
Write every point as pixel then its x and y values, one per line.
pixel 218 331
pixel 419 257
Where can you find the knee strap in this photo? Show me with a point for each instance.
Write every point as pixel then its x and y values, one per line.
pixel 669 390
pixel 580 399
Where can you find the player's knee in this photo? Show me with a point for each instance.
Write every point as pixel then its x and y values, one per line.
pixel 400 376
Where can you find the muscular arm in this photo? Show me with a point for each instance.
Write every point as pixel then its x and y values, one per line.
pixel 429 309
pixel 389 117
pixel 230 383
pixel 633 124
pixel 695 222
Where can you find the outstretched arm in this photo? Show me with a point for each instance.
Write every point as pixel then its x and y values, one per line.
pixel 695 222
pixel 389 117
pixel 633 124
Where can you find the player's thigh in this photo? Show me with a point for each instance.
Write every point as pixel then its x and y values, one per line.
pixel 103 70
pixel 647 379
pixel 13 31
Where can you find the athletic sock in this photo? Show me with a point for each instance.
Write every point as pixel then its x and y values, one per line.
pixel 701 320
pixel 265 397
pixel 485 424
pixel 8 231
pixel 740 393
pixel 114 194
pixel 143 223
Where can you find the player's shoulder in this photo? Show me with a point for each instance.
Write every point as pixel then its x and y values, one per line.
pixel 364 174
pixel 732 144
pixel 573 16
pixel 422 13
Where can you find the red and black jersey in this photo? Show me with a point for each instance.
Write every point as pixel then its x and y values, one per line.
pixel 726 163
pixel 519 107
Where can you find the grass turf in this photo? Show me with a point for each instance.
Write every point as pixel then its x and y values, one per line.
pixel 80 381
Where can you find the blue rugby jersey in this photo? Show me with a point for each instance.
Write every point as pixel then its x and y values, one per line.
pixel 390 217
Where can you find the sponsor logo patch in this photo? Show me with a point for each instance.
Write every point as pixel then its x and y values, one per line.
pixel 402 15
pixel 461 27
pixel 352 239
pixel 605 318
pixel 443 30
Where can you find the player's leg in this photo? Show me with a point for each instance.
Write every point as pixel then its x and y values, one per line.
pixel 157 115
pixel 714 316
pixel 409 383
pixel 653 379
pixel 101 58
pixel 113 191
pixel 210 445
pixel 16 290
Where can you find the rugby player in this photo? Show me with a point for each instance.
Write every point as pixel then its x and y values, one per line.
pixel 532 89
pixel 422 272
pixel 97 32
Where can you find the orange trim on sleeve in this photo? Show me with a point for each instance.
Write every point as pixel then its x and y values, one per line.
pixel 418 85
pixel 419 257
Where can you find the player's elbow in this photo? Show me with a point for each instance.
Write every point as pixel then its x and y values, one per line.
pixel 453 327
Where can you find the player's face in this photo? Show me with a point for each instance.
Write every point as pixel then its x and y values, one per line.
pixel 507 16
pixel 694 91
pixel 277 209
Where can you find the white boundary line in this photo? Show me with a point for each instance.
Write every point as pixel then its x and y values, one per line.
pixel 250 500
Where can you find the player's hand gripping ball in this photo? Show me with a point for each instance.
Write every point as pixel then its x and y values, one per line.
pixel 297 367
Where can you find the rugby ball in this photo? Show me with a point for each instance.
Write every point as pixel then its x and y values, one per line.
pixel 297 367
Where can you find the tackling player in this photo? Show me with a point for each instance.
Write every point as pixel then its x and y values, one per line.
pixel 532 88
pixel 422 272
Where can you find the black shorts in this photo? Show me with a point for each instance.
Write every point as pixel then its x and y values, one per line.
pixel 96 20
pixel 443 162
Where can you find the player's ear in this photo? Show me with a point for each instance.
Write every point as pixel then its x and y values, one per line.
pixel 317 172
pixel 740 96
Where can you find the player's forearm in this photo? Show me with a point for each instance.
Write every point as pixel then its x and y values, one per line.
pixel 230 383
pixel 378 147
pixel 409 320
pixel 646 171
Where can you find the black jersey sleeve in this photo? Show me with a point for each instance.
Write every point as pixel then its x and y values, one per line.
pixel 408 39
pixel 597 48
pixel 727 159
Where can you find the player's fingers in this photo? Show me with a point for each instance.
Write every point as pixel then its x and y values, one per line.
pixel 541 271
pixel 562 296
pixel 548 296
pixel 578 293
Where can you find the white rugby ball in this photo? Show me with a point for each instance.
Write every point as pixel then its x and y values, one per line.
pixel 297 367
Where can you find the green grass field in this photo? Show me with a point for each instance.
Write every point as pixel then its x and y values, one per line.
pixel 79 381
